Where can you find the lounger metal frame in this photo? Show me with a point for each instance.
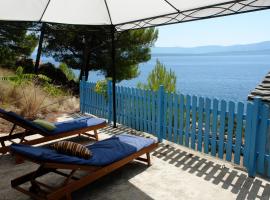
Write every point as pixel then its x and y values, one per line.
pixel 71 183
pixel 45 137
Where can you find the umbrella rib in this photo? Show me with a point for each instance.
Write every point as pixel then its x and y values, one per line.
pixel 170 4
pixel 44 10
pixel 107 7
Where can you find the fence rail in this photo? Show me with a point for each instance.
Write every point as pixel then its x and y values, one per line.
pixel 235 132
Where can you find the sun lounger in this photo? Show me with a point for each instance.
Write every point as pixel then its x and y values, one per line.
pixel 63 129
pixel 108 155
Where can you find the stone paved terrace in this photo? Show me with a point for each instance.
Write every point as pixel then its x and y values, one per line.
pixel 176 173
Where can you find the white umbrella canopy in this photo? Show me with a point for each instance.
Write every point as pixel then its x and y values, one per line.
pixel 123 14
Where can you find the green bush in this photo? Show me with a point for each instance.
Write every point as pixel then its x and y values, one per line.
pixel 59 78
pixel 102 87
pixel 55 74
pixel 20 78
pixel 27 65
pixel 54 90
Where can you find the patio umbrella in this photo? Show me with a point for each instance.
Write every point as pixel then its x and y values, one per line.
pixel 123 15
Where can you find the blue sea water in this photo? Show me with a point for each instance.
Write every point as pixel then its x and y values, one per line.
pixel 228 77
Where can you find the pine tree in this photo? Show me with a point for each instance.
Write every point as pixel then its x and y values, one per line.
pixel 15 42
pixel 68 46
pixel 160 76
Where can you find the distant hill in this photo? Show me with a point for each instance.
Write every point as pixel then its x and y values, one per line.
pixel 255 49
pixel 259 48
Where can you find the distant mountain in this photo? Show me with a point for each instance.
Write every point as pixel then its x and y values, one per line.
pixel 255 49
pixel 262 47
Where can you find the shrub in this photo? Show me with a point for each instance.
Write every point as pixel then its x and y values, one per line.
pixel 102 87
pixel 20 78
pixel 34 99
pixel 59 78
pixel 27 64
pixel 54 90
pixel 55 74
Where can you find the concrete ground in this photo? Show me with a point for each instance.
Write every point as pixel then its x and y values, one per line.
pixel 177 173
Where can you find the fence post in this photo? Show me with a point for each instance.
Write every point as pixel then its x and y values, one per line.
pixel 160 118
pixel 109 101
pixel 254 137
pixel 82 94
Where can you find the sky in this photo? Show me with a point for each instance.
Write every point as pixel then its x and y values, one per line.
pixel 237 29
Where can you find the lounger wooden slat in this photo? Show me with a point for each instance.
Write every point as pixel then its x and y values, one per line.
pixel 72 184
pixel 45 137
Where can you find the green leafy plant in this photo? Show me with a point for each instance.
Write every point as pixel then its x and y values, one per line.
pixel 20 78
pixel 53 90
pixel 102 87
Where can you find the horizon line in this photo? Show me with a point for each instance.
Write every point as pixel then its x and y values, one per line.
pixel 213 45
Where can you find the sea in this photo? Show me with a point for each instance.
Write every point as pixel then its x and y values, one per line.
pixel 229 77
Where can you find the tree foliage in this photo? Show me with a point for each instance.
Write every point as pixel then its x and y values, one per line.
pixel 15 42
pixel 160 76
pixel 69 46
pixel 67 71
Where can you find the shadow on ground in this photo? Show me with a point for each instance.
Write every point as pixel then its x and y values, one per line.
pixel 114 186
pixel 229 179
pixel 117 185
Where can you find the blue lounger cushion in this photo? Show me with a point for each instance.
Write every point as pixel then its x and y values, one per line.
pixel 2 111
pixel 104 152
pixel 74 124
pixel 61 127
pixel 21 120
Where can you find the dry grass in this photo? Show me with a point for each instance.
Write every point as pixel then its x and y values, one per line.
pixel 32 101
pixel 5 72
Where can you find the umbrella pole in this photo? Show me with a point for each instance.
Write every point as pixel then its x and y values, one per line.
pixel 85 55
pixel 113 76
pixel 41 37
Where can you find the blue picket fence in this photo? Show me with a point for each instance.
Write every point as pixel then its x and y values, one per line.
pixel 235 132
